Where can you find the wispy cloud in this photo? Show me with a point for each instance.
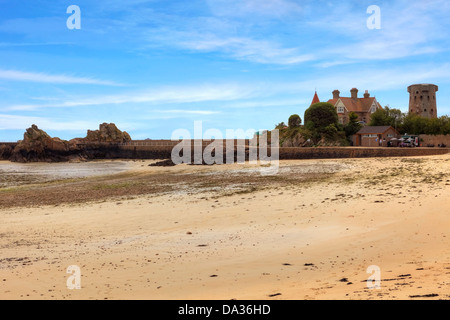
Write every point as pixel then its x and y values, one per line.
pixel 14 75
pixel 32 44
pixel 193 112
pixel 252 8
pixel 17 122
pixel 259 51
pixel 408 28
pixel 242 95
pixel 375 79
pixel 160 95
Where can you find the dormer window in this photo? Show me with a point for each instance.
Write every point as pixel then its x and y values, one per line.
pixel 373 109
pixel 341 110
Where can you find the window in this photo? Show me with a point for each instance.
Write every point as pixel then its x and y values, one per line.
pixel 373 109
pixel 390 135
pixel 341 110
pixel 341 120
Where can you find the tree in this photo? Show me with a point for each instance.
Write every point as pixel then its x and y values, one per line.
pixel 281 126
pixel 433 126
pixel 294 121
pixel 414 124
pixel 445 124
pixel 319 116
pixel 330 131
pixel 353 125
pixel 386 117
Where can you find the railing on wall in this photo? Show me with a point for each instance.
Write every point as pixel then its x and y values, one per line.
pixel 170 143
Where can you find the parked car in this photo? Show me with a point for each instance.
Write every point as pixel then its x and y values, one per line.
pixel 407 144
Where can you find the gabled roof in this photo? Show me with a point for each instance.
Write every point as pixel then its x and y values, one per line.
pixel 315 99
pixel 374 129
pixel 358 105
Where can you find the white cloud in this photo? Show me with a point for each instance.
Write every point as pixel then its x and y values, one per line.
pixel 252 8
pixel 14 75
pixel 184 112
pixel 266 103
pixel 265 52
pixel 408 28
pixel 32 44
pixel 162 95
pixel 237 95
pixel 16 122
pixel 375 79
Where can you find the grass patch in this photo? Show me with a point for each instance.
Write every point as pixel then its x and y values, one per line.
pixel 249 190
pixel 9 190
pixel 412 160
pixel 122 185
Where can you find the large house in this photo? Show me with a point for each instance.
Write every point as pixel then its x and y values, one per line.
pixel 363 107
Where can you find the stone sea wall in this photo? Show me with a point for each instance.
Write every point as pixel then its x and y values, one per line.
pixel 125 151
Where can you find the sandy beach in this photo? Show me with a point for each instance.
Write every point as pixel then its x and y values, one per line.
pixel 226 232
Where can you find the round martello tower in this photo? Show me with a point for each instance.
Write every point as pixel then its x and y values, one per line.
pixel 422 100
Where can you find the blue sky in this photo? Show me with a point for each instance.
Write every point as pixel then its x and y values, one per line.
pixel 154 66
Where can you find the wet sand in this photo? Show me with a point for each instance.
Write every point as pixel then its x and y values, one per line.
pixel 226 232
pixel 16 174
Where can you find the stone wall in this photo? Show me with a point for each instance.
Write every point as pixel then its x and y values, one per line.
pixel 435 140
pixel 110 151
pixel 149 152
pixel 357 152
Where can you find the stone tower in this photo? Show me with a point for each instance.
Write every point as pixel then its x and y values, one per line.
pixel 422 100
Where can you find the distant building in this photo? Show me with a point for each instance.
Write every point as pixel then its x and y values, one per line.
pixel 422 100
pixel 363 107
pixel 372 136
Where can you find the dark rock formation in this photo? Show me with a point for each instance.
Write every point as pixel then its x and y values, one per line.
pixel 163 163
pixel 38 146
pixel 107 133
pixel 5 151
pixel 294 141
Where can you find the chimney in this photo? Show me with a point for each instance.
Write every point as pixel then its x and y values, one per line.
pixel 336 94
pixel 354 93
pixel 367 94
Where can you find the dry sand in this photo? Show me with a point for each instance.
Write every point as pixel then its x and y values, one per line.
pixel 309 233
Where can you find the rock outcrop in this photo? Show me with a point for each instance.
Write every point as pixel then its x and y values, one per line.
pixel 38 146
pixel 107 132
pixel 5 151
pixel 294 141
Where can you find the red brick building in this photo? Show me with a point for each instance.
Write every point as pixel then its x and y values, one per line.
pixel 375 136
pixel 363 107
